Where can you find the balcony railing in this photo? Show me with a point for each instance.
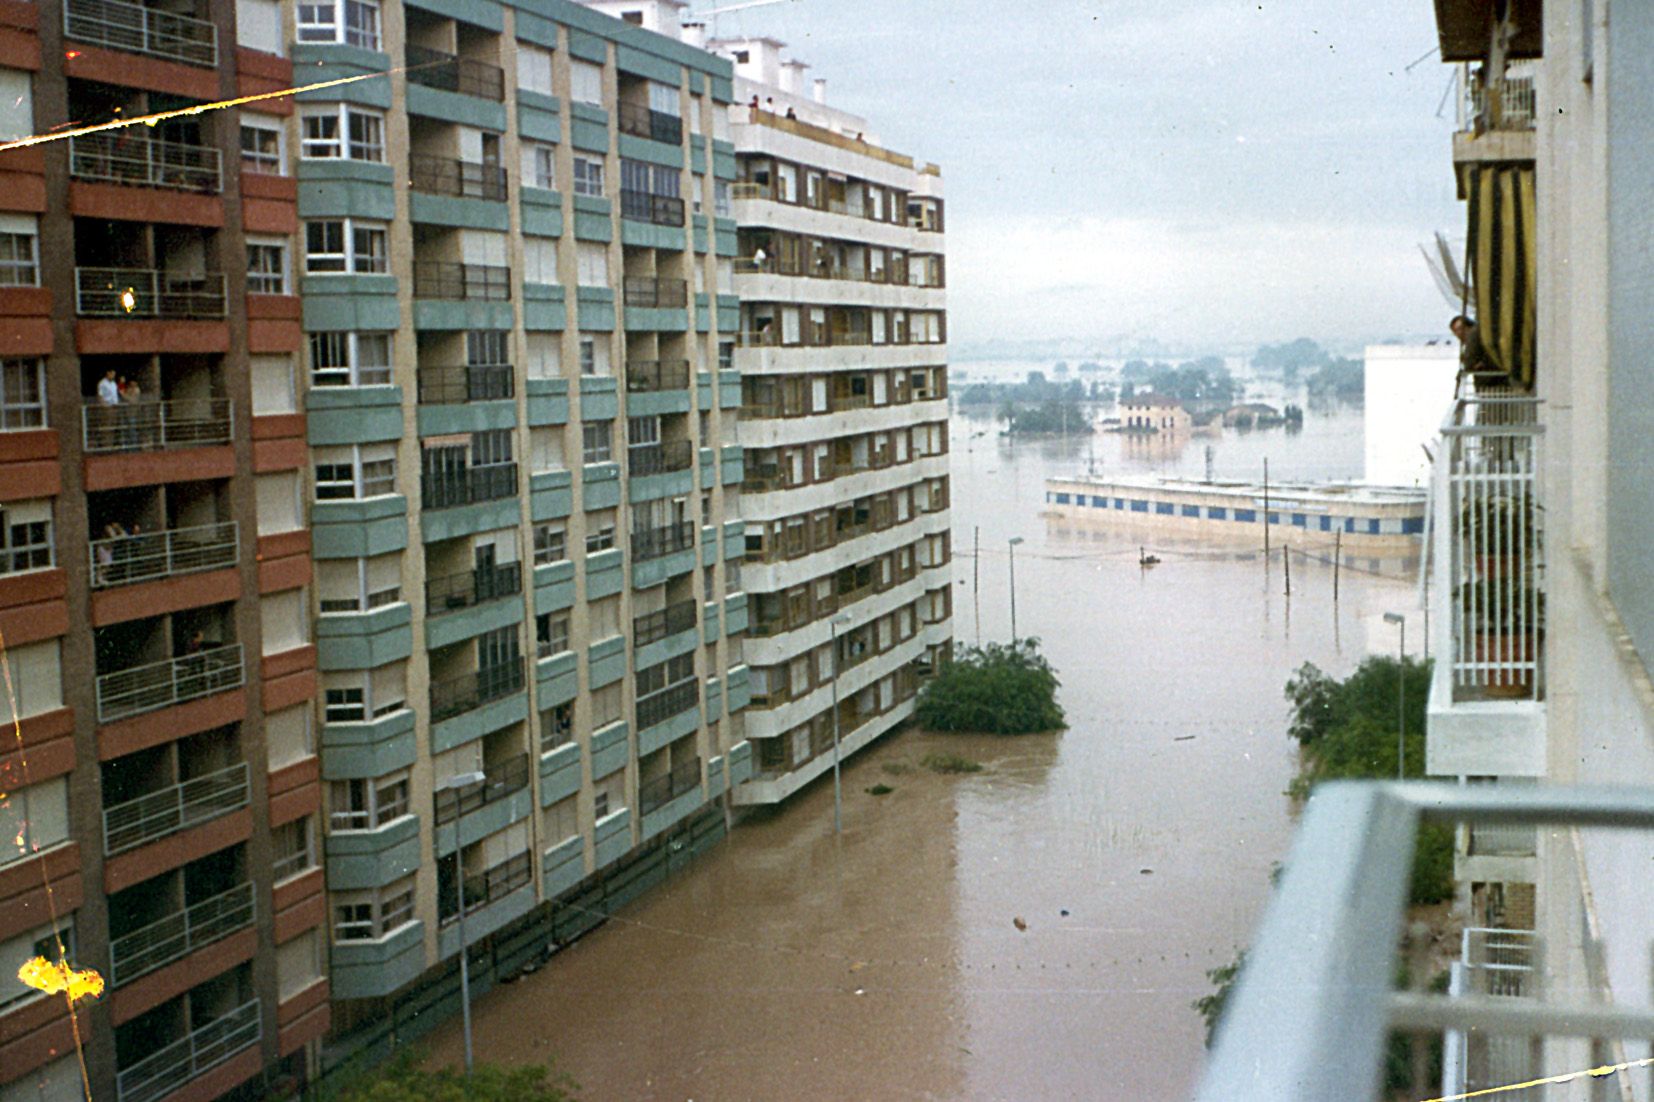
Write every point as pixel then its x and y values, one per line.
pixel 178 935
pixel 435 69
pixel 142 30
pixel 645 291
pixel 502 780
pixel 468 486
pixel 469 588
pixel 662 790
pixel 1497 964
pixel 451 279
pixel 174 808
pixel 123 560
pixel 442 386
pixel 491 886
pixel 1502 841
pixel 658 625
pixel 1517 105
pixel 641 206
pixel 140 161
pixel 670 701
pixel 145 293
pixel 653 543
pixel 644 376
pixel 171 681
pixel 192 1055
pixel 641 121
pixel 157 426
pixel 469 691
pixel 647 459
pixel 464 179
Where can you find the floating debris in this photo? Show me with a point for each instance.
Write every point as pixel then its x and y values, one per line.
pixel 1019 923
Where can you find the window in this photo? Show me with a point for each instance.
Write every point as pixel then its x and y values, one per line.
pixel 540 165
pixel 25 536
pixel 295 850
pixel 298 964
pixel 33 819
pixel 359 585
pixel 350 359
pixel 673 671
pixel 262 142
pixel 342 130
pixel 258 26
pixel 266 266
pixel 641 431
pixel 367 804
pixel 726 355
pixel 596 442
pixel 540 260
pixel 594 355
pixel 665 99
pixel 606 703
pixel 346 246
pixel 588 176
pixel 22 395
pixel 16 104
pixel 358 696
pixel 720 199
pixel 556 727
pixel 54 942
pixel 320 22
pixel 534 68
pixel 19 257
pixel 586 82
pixel 550 544
pixel 358 471
pixel 551 634
pixel 593 264
pixel 366 916
pixel 545 355
pixel 600 533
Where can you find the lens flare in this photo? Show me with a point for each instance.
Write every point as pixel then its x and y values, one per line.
pixel 57 979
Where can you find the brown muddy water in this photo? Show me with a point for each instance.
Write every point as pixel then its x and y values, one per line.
pixel 1135 847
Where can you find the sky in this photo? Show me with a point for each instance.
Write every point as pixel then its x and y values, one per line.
pixel 1196 172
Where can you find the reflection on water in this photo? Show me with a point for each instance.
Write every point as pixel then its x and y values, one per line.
pixel 887 963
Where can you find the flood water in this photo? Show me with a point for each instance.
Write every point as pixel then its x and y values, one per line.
pixel 1135 847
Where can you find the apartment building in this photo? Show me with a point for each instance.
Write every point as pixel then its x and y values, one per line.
pixel 434 377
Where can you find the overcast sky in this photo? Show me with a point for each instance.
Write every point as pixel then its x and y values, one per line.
pixel 1197 171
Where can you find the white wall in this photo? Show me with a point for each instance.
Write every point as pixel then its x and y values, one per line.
pixel 1408 390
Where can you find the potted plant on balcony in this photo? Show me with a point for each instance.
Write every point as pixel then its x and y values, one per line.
pixel 1505 615
pixel 1500 532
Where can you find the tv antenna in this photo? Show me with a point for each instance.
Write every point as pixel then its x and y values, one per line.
pixel 714 13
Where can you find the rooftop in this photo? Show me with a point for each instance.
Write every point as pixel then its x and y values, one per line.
pixel 1323 493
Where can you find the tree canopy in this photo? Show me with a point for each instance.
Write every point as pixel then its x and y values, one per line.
pixel 1000 689
pixel 404 1079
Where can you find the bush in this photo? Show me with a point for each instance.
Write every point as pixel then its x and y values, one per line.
pixel 404 1080
pixel 950 763
pixel 1001 689
pixel 1210 1007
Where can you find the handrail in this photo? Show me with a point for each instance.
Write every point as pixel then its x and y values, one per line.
pixel 452 279
pixel 173 808
pixel 662 790
pixel 456 384
pixel 468 486
pixel 179 934
pixel 653 543
pixel 449 73
pixel 127 158
pixel 142 556
pixel 164 1071
pixel 451 176
pixel 469 588
pixel 662 458
pixel 148 293
pixel 504 779
pixel 143 30
pixel 654 375
pixel 641 121
pixel 668 702
pixel 145 688
pixel 157 426
pixel 644 206
pixel 671 620
pixel 469 691
pixel 645 291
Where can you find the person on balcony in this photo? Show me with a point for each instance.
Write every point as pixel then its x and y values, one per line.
pixel 109 389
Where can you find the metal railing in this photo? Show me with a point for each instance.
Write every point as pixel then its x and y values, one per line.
pixel 157 426
pixel 642 121
pixel 647 459
pixel 652 543
pixel 197 1052
pixel 455 280
pixel 660 791
pixel 667 703
pixel 468 486
pixel 174 808
pixel 642 206
pixel 655 626
pixel 123 560
pixel 170 681
pixel 142 30
pixel 449 176
pixel 1497 840
pixel 444 71
pixel 1497 964
pixel 472 587
pixel 501 781
pixel 442 386
pixel 141 161
pixel 646 291
pixel 1518 107
pixel 178 935
pixel 469 691
pixel 147 293
pixel 653 375
pixel 491 885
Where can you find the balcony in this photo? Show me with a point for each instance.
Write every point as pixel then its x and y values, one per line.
pixel 650 293
pixel 641 121
pixel 648 459
pixel 178 935
pixel 174 808
pixel 461 179
pixel 442 386
pixel 493 885
pixel 655 543
pixel 656 626
pixel 138 161
pixel 503 779
pixel 470 588
pixel 1496 116
pixel 157 426
pixel 447 279
pixel 142 30
pixel 145 293
pixel 649 376
pixel 657 793
pixel 667 703
pixel 192 1055
pixel 661 210
pixel 125 560
pixel 1495 964
pixel 172 681
pixel 447 73
pixel 1486 710
pixel 468 486
pixel 469 691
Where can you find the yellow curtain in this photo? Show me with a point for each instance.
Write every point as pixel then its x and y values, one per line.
pixel 1503 270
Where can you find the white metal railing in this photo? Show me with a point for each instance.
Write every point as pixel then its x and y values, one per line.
pixel 142 30
pixel 180 934
pixel 1518 107
pixel 148 293
pixel 140 161
pixel 171 681
pixel 1493 963
pixel 1502 840
pixel 157 426
pixel 196 1052
pixel 173 808
pixel 1498 962
pixel 122 560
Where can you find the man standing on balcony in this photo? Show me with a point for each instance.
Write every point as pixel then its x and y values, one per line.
pixel 109 391
pixel 1473 359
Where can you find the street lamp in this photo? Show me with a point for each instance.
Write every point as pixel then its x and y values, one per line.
pixel 838 793
pixel 1400 621
pixel 1013 546
pixel 455 783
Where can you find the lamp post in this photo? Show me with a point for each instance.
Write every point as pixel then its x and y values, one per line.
pixel 454 784
pixel 1400 621
pixel 838 793
pixel 1013 547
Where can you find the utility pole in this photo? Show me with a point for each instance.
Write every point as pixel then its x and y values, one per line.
pixel 1266 512
pixel 1286 557
pixel 1337 561
pixel 976 579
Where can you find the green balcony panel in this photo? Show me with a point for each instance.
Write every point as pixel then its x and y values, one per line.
pixel 729 321
pixel 589 137
pixel 371 748
pixel 588 47
pixel 668 731
pixel 604 576
pixel 674 811
pixel 363 640
pixel 550 494
pixel 646 403
pixel 548 404
pixel 710 626
pixel 599 399
pixel 653 319
pixel 564 866
pixel 540 31
pixel 553 586
pixel 451 315
pixel 557 680
pixel 709 543
pixel 346 189
pixel 739 690
pixel 729 390
pixel 714 699
pixel 645 149
pixel 596 309
pixel 610 749
pixel 352 415
pixel 723 160
pixel 489 819
pixel 670 647
pixel 740 762
pixel 374 969
pixel 652 487
pixel 735 614
pixel 544 309
pixel 559 773
pixel 322 62
pixel 487 919
pixel 655 571
pixel 465 417
pixel 703 392
pixel 703 318
pixel 606 661
pixel 340 302
pixel 435 103
pixel 652 66
pixel 458 211
pixel 593 220
pixel 723 90
pixel 697 85
pixel 734 463
pixel 359 859
pixel 486 14
pixel 478 722
pixel 701 229
pixel 436 525
pixel 646 235
pixel 715 780
pixel 358 529
pixel 541 212
pixel 599 482
pixel 613 837
pixel 467 623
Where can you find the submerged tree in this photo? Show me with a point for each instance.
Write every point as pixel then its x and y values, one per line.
pixel 1000 689
pixel 403 1079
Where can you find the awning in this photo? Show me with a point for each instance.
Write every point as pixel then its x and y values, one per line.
pixel 1501 255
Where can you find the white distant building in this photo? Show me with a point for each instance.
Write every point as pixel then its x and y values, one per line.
pixel 1407 387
